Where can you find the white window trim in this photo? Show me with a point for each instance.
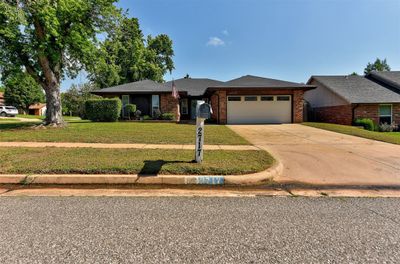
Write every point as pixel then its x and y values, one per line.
pixel 391 112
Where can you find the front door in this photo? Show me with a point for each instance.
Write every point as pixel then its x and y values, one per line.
pixel 142 103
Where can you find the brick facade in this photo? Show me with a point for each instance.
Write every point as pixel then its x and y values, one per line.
pixel 372 111
pixel 169 104
pixel 219 101
pixel 343 114
pixel 340 114
pixel 298 104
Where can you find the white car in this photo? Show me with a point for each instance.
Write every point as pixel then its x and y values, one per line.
pixel 8 111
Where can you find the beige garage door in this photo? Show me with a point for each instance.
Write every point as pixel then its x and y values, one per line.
pixel 258 109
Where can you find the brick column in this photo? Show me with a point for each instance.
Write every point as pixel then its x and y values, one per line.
pixel 222 107
pixel 169 104
pixel 298 106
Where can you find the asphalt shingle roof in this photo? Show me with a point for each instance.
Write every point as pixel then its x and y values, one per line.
pixel 258 82
pixel 391 78
pixel 198 86
pixel 193 86
pixel 133 87
pixel 358 89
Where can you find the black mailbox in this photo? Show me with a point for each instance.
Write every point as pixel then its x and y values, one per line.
pixel 204 111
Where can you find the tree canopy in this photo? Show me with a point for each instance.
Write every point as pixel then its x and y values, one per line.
pixel 378 65
pixel 126 56
pixel 21 91
pixel 50 39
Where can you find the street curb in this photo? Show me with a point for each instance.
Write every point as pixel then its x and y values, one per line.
pixel 120 179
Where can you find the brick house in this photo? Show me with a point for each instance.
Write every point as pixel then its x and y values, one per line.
pixel 342 99
pixel 2 101
pixel 248 99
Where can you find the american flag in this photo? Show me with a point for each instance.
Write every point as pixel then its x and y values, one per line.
pixel 175 93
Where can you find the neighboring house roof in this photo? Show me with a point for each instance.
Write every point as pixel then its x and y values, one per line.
pixel 358 89
pixel 250 81
pixel 391 78
pixel 37 106
pixel 134 87
pixel 193 86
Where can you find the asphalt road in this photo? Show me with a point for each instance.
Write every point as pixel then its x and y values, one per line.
pixel 199 230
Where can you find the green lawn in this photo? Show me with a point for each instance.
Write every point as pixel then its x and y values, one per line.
pixel 5 120
pixel 390 137
pixel 130 161
pixel 31 116
pixel 119 132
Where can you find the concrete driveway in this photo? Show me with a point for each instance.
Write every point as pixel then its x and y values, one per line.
pixel 321 157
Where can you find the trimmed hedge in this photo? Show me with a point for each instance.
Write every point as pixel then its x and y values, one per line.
pixel 168 116
pixel 103 110
pixel 367 123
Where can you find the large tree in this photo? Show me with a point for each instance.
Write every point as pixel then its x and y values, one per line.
pixel 50 39
pixel 378 65
pixel 21 91
pixel 126 56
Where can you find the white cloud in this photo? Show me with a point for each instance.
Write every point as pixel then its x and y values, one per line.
pixel 215 41
pixel 225 32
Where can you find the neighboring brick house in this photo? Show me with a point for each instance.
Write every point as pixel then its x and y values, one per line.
pixel 2 101
pixel 342 99
pixel 248 99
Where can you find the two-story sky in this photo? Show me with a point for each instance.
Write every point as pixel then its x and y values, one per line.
pixel 283 39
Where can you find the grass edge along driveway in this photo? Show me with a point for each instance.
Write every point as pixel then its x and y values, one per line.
pixel 120 132
pixel 130 161
pixel 389 137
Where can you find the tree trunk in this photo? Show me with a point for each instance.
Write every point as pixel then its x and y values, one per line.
pixel 53 105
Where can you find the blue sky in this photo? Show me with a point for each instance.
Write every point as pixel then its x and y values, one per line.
pixel 283 39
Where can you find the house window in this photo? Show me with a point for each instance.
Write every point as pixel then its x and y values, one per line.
pixel 184 106
pixel 385 114
pixel 267 98
pixel 250 98
pixel 234 98
pixel 155 103
pixel 283 98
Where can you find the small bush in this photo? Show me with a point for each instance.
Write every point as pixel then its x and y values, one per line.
pixel 168 116
pixel 103 110
pixel 385 127
pixel 156 114
pixel 147 117
pixel 130 109
pixel 366 123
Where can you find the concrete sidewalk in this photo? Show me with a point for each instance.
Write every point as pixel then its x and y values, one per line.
pixel 123 146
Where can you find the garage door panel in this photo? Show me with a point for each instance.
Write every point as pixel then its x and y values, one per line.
pixel 253 112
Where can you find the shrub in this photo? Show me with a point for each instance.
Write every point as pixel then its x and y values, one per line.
pixel 156 114
pixel 103 110
pixel 168 116
pixel 366 123
pixel 147 117
pixel 130 109
pixel 385 127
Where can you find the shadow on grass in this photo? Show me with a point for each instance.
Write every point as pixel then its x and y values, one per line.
pixel 153 167
pixel 19 125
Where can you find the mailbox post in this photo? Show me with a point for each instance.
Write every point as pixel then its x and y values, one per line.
pixel 203 112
